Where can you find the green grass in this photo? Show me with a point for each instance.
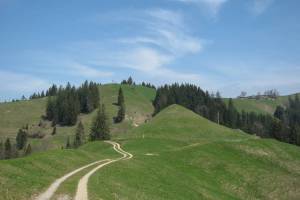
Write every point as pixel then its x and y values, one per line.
pixel 16 114
pixel 262 106
pixel 179 155
pixel 138 101
pixel 24 177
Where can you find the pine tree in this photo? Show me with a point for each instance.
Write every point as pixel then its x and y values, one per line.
pixel 100 127
pixel 21 139
pixel 79 135
pixel 28 150
pixel 120 97
pixel 121 114
pixel 129 81
pixel 7 149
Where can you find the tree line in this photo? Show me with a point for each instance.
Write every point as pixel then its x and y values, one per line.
pixel 69 101
pixel 284 125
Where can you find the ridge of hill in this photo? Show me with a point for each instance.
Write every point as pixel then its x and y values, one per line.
pixel 263 106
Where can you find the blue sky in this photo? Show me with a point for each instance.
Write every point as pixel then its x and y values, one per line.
pixel 224 45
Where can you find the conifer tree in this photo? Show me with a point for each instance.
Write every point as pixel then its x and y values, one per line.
pixel 7 149
pixel 79 135
pixel 100 127
pixel 21 139
pixel 120 97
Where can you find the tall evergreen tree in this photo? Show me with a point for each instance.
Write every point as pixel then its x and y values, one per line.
pixel 7 149
pixel 121 113
pixel 100 127
pixel 21 139
pixel 120 97
pixel 79 135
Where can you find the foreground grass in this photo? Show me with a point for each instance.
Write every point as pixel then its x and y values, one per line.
pixel 179 155
pixel 24 177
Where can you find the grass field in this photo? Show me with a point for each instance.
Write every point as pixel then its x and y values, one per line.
pixel 264 106
pixel 24 177
pixel 138 101
pixel 179 155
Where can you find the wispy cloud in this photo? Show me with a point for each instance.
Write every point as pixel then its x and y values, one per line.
pixel 20 83
pixel 260 6
pixel 161 39
pixel 213 6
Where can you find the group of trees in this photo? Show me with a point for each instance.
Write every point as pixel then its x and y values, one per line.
pixel 192 97
pixel 149 85
pixel 99 130
pixel 100 126
pixel 288 123
pixel 129 81
pixel 283 126
pixel 68 102
pixel 12 150
pixel 79 137
pixel 273 94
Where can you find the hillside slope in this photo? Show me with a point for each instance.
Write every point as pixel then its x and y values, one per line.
pixel 177 155
pixel 264 106
pixel 138 101
pixel 180 155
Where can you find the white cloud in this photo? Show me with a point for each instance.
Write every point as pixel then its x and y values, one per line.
pixel 260 6
pixel 214 6
pixel 162 38
pixel 85 71
pixel 18 82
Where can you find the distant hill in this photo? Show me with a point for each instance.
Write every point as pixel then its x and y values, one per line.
pixel 14 115
pixel 264 106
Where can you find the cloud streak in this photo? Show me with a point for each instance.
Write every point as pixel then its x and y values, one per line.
pixel 260 6
pixel 213 6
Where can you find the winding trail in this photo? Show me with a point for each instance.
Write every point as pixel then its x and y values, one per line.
pixel 81 193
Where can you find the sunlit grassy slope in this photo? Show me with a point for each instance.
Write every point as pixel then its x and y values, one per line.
pixel 264 106
pixel 138 101
pixel 22 178
pixel 180 155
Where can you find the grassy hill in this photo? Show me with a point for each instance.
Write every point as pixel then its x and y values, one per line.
pixel 264 106
pixel 138 101
pixel 180 155
pixel 177 155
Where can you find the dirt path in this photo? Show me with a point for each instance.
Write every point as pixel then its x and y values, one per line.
pixel 47 195
pixel 82 193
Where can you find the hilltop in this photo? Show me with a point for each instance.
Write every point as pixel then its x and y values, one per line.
pixel 261 106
